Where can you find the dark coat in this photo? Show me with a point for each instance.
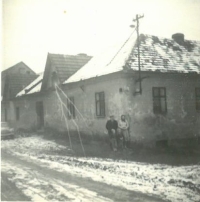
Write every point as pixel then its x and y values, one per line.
pixel 111 125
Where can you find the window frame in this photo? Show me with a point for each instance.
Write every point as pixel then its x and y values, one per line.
pixel 197 99
pixel 17 113
pixel 71 108
pixel 101 103
pixel 158 98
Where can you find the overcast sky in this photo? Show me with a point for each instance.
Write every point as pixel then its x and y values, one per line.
pixel 32 28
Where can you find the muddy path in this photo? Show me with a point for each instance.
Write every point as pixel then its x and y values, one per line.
pixel 9 191
pixel 74 187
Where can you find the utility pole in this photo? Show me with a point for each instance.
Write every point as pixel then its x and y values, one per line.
pixel 138 17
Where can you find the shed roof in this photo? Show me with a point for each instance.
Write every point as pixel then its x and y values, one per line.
pixel 156 54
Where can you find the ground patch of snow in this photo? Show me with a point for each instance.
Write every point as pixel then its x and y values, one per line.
pixel 34 144
pixel 42 188
pixel 168 182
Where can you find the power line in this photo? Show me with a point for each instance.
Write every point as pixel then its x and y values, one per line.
pixel 121 47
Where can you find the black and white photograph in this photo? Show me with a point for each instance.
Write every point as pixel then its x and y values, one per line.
pixel 100 100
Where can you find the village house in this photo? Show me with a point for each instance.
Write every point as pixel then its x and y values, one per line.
pixel 13 80
pixel 37 102
pixel 162 100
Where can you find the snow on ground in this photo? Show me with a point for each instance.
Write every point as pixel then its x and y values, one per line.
pixel 168 182
pixel 41 188
pixel 32 145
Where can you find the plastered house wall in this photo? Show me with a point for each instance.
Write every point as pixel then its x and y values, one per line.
pixel 182 120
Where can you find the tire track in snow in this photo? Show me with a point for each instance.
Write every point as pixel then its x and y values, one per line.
pixel 100 191
pixel 41 188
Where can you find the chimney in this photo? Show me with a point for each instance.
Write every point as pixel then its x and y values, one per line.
pixel 179 38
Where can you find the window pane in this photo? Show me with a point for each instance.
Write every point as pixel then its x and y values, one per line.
pixel 162 92
pixel 198 104
pixel 100 104
pixel 163 106
pixel 98 108
pixel 102 96
pixel 97 96
pixel 159 100
pixel 156 105
pixel 102 108
pixel 156 92
pixel 198 92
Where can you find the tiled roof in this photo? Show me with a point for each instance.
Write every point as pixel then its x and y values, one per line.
pixel 166 55
pixel 156 54
pixel 33 87
pixel 17 82
pixel 67 65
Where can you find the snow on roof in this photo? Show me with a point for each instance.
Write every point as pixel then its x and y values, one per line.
pixel 107 62
pixel 156 54
pixel 33 87
pixel 166 55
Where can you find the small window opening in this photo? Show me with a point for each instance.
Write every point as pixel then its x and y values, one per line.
pixel 100 104
pixel 159 100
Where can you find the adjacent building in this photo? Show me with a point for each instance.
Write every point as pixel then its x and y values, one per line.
pixel 36 102
pixel 13 80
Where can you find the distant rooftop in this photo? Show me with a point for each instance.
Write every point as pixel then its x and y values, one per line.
pixel 18 65
pixel 17 82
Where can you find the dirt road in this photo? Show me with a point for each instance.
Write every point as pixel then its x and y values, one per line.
pixel 9 192
pixel 45 184
pixel 44 170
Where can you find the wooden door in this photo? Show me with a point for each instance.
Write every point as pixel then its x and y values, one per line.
pixel 40 114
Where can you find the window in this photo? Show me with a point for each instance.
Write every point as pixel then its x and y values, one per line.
pixel 71 108
pixel 100 104
pixel 197 92
pixel 17 113
pixel 159 100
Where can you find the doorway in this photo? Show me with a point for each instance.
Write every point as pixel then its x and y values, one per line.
pixel 40 114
